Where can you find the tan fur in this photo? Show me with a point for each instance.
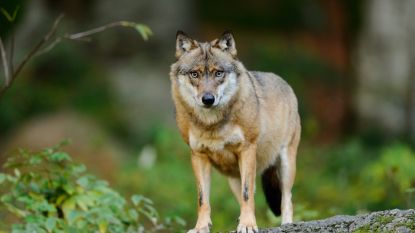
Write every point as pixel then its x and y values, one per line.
pixel 254 121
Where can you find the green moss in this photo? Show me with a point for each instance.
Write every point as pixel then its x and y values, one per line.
pixel 384 219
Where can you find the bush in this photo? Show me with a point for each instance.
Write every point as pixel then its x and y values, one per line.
pixel 48 192
pixel 391 178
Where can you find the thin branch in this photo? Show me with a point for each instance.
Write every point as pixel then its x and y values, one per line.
pixel 35 49
pixel 55 42
pixel 11 52
pixel 96 30
pixel 49 47
pixel 39 45
pixel 5 65
pixel 83 36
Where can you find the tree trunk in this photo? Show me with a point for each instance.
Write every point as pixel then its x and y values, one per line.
pixel 384 62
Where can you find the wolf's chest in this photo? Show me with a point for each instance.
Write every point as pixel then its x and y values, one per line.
pixel 220 146
pixel 215 141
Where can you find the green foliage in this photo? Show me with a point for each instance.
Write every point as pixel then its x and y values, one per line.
pixel 11 13
pixel 48 192
pixel 10 17
pixel 144 30
pixel 353 177
pixel 391 177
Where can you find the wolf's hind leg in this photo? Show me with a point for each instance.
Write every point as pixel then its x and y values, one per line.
pixel 286 173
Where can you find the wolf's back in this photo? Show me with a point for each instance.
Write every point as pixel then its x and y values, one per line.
pixel 270 83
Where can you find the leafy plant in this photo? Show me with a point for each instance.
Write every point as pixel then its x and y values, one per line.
pixel 391 177
pixel 48 192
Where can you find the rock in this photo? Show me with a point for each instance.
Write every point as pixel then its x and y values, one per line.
pixel 382 221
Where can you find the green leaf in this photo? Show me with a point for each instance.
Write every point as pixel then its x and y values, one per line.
pixel 61 199
pixel 63 143
pixel 18 212
pixel 72 216
pixel 103 225
pixel 83 181
pixel 77 169
pixel 11 179
pixel 38 195
pixel 179 221
pixel 68 205
pixel 6 198
pixel 16 172
pixel 133 214
pixel 84 201
pixel 69 188
pixel 9 17
pixel 35 160
pixel 50 224
pixel 136 199
pixel 2 178
pixel 144 31
pixel 59 156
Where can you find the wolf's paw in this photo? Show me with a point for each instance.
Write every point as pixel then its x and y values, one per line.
pixel 247 229
pixel 205 229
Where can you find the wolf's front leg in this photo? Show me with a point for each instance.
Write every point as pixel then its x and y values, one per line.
pixel 201 168
pixel 247 167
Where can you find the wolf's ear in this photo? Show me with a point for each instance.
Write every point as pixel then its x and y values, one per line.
pixel 183 44
pixel 226 43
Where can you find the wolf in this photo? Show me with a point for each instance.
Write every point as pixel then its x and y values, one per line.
pixel 241 122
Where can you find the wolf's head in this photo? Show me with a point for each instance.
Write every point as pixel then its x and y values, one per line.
pixel 206 74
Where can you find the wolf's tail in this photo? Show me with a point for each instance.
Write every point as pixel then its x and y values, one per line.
pixel 272 191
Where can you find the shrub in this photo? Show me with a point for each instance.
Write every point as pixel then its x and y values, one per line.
pixel 48 192
pixel 390 180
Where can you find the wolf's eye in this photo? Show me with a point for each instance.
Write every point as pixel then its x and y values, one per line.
pixel 219 74
pixel 193 74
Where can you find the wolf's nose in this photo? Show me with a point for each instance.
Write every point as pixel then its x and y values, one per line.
pixel 208 99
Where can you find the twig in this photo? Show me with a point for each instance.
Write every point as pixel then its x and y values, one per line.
pixel 11 52
pixel 49 47
pixel 5 65
pixel 39 45
pixel 55 42
pixel 95 30
pixel 37 50
pixel 29 56
pixel 83 35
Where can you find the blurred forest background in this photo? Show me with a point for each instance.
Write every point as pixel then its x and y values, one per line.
pixel 351 64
